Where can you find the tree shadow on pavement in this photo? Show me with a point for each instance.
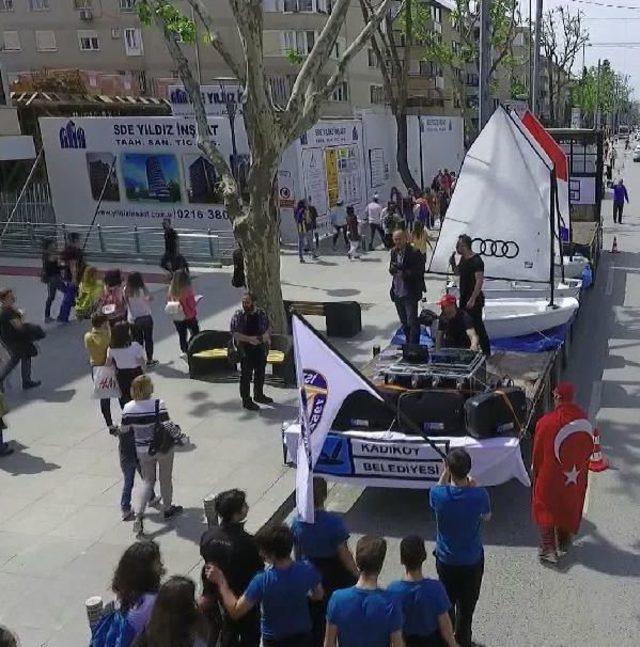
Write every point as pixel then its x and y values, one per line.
pixel 188 525
pixel 22 462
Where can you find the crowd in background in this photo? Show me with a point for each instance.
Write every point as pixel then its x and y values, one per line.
pixel 418 212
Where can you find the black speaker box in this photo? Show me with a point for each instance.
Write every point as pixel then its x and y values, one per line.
pixel 502 412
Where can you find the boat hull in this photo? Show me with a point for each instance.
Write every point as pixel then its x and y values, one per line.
pixel 517 317
pixel 498 289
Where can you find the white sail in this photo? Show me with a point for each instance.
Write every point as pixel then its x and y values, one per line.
pixel 502 200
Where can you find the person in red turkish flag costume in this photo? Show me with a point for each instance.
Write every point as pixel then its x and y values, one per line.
pixel 562 446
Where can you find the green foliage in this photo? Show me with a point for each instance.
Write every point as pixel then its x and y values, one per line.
pixel 518 89
pixel 294 56
pixel 609 92
pixel 173 19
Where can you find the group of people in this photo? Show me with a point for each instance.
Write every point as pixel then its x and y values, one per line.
pixel 457 327
pixel 417 212
pixel 301 586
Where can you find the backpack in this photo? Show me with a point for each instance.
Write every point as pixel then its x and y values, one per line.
pixel 113 630
pixel 162 440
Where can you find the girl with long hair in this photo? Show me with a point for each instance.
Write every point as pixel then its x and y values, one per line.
pixel 181 291
pixel 138 301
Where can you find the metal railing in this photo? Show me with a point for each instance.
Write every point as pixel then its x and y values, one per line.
pixel 133 244
pixel 35 206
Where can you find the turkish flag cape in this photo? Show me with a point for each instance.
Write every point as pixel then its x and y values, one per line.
pixel 562 446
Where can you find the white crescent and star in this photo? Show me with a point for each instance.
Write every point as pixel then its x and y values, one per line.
pixel 574 427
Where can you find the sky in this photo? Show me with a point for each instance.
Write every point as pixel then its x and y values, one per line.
pixel 606 24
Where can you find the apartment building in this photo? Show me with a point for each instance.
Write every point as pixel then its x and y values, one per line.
pixel 115 54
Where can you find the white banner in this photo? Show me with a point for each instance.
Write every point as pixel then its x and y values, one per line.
pixel 324 382
pixel 158 170
pixel 215 96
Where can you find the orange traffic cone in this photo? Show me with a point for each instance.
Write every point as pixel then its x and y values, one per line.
pixel 598 461
pixel 614 247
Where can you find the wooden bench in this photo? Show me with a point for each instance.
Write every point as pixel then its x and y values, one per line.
pixel 344 318
pixel 210 352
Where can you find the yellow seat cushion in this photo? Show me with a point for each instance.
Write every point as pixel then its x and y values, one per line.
pixel 275 357
pixel 212 353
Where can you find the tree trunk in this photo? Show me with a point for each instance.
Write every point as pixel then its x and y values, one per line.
pixel 551 96
pixel 257 231
pixel 401 150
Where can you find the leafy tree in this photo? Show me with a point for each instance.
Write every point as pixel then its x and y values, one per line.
pixel 270 128
pixel 464 54
pixel 563 35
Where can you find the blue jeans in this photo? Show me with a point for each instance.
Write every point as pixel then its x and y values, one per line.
pixel 69 299
pixel 54 285
pixel 128 467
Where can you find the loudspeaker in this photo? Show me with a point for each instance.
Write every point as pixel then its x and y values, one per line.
pixel 361 411
pixel 433 412
pixel 502 412
pixel 344 318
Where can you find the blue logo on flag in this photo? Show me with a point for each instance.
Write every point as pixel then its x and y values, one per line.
pixel 335 457
pixel 314 393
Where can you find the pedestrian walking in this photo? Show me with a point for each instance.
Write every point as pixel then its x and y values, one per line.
pixel 232 549
pixel 136 582
pixel 374 216
pixel 470 271
pixel 363 228
pixel 283 591
pixel 460 507
pixel 128 358
pixel 97 342
pixel 408 204
pixel 155 437
pixel 112 300
pixel 425 605
pixel 169 260
pixel 620 195
pixel 184 302
pixel 325 544
pixel 314 238
pixel 73 263
pixel 51 275
pixel 138 299
pixel 89 293
pixel 18 337
pixel 420 238
pixel 302 218
pixel 339 223
pixel 365 615
pixel 353 233
pixel 251 332
pixel 396 197
pixel 562 447
pixel 406 266
pixel 175 619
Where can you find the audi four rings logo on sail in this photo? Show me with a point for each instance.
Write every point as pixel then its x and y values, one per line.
pixel 496 248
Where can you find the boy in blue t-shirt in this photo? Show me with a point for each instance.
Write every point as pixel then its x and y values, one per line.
pixel 425 605
pixel 460 507
pixel 365 615
pixel 283 590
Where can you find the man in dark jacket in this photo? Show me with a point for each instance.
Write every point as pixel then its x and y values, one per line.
pixel 407 285
pixel 230 547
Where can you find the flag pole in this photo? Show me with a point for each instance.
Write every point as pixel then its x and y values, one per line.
pixel 403 417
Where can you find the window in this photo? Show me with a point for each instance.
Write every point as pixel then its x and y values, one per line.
pixel 376 93
pixel 46 41
pixel 425 68
pixel 127 5
pixel 518 41
pixel 298 41
pixel 88 40
pixel 341 93
pixel 338 49
pixel 39 5
pixel 372 59
pixel 81 4
pixel 299 5
pixel 11 41
pixel 436 13
pixel 133 41
pixel 6 5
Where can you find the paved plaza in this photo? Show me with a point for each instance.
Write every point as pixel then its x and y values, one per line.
pixel 60 528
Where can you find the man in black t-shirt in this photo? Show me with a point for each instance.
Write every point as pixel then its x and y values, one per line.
pixel 470 271
pixel 455 327
pixel 171 260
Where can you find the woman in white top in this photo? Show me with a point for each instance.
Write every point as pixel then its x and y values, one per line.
pixel 138 300
pixel 128 358
pixel 141 415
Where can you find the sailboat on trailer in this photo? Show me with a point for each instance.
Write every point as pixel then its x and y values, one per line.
pixel 505 199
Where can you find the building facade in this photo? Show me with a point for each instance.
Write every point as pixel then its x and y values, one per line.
pixel 104 43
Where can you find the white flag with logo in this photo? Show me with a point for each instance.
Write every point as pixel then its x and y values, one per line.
pixel 325 380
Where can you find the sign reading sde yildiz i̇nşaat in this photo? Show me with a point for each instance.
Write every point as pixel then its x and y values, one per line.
pixel 138 170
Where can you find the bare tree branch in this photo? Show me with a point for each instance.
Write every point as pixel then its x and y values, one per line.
pixel 229 186
pixel 202 12
pixel 319 54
